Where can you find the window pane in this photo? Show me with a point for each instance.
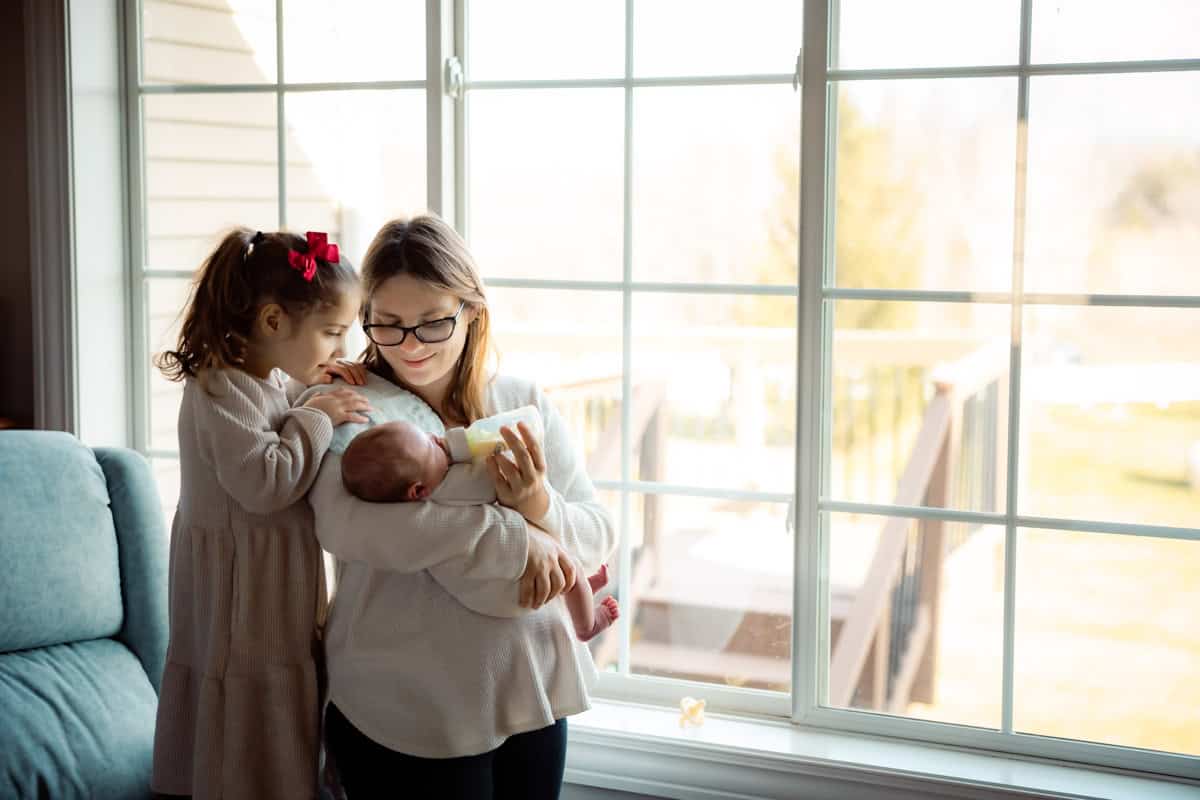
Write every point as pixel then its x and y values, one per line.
pixel 677 37
pixel 165 301
pixel 916 618
pixel 925 184
pixel 208 41
pixel 721 373
pixel 353 40
pixel 1108 649
pixel 904 376
pixel 695 149
pixel 712 591
pixel 211 163
pixel 348 179
pixel 166 480
pixel 545 40
pixel 1114 184
pixel 925 33
pixel 569 343
pixel 545 192
pixel 1112 30
pixel 1110 414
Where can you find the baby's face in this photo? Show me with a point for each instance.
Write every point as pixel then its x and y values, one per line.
pixel 424 454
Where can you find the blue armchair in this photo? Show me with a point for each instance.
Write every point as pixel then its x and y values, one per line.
pixel 83 618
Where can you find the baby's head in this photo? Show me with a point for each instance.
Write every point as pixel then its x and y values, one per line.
pixel 394 462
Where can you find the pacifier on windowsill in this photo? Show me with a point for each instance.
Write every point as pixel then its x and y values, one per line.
pixel 691 712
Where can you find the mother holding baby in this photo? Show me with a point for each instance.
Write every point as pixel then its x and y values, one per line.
pixel 429 698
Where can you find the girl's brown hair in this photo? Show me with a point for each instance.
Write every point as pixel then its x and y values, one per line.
pixel 245 272
pixel 431 251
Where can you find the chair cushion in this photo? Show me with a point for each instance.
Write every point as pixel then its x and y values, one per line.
pixel 58 546
pixel 78 722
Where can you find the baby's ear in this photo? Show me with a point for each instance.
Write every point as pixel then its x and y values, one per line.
pixel 417 491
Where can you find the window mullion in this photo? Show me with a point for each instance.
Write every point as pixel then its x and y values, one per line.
pixel 807 588
pixel 460 119
pixel 139 426
pixel 280 116
pixel 441 115
pixel 1014 371
pixel 625 551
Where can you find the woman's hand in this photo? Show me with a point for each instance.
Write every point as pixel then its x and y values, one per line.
pixel 351 372
pixel 549 570
pixel 521 480
pixel 342 405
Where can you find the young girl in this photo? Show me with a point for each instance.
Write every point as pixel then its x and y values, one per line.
pixel 238 712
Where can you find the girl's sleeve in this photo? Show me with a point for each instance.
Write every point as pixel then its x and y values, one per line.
pixel 481 542
pixel 575 518
pixel 264 470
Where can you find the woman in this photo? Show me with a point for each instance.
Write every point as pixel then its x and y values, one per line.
pixel 428 698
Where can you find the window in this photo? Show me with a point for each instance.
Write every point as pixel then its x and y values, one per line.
pixel 243 118
pixel 892 401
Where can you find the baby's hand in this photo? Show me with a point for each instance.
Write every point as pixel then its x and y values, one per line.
pixel 351 372
pixel 341 405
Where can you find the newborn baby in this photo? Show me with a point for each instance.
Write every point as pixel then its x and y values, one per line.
pixel 398 462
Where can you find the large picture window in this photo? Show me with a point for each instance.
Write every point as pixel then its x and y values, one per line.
pixel 894 402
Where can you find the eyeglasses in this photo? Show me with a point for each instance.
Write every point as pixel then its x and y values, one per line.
pixel 432 332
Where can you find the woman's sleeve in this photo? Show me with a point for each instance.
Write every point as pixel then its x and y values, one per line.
pixel 575 518
pixel 263 469
pixel 483 542
pixel 293 389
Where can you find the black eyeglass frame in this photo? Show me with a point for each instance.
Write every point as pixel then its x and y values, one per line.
pixel 415 330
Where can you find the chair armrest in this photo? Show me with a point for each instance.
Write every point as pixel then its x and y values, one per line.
pixel 142 547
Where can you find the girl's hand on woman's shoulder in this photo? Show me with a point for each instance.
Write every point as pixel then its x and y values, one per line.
pixel 341 405
pixel 351 372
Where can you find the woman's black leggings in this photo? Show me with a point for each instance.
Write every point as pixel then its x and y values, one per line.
pixel 528 766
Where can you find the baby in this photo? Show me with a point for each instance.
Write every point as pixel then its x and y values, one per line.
pixel 398 462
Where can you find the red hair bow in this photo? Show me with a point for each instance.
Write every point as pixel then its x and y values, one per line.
pixel 318 247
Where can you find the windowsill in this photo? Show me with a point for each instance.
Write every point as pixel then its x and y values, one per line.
pixel 642 749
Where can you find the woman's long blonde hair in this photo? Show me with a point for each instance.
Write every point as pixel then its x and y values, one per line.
pixel 431 251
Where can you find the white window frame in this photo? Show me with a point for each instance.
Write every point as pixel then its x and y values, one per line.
pixel 818 135
pixel 447 166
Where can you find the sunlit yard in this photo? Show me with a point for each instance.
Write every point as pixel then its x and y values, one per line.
pixel 1107 642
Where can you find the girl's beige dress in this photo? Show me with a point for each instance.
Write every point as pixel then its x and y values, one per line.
pixel 238 716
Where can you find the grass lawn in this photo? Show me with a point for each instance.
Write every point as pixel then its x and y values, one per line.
pixel 1108 627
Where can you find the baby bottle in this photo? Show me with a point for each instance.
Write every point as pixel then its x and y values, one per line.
pixel 483 438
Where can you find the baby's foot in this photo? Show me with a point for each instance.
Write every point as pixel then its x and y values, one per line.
pixel 607 613
pixel 600 579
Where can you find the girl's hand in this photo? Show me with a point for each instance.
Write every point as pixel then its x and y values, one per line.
pixel 549 570
pixel 341 405
pixel 351 372
pixel 521 481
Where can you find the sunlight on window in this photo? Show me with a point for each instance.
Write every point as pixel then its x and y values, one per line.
pixel 1107 647
pixel 926 641
pixel 225 41
pixel 1114 184
pixel 544 191
pixel 925 33
pixel 1112 30
pixel 353 40
pixel 545 40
